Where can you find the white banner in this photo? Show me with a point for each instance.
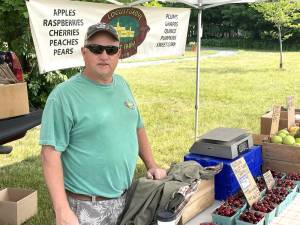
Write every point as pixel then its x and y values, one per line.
pixel 58 28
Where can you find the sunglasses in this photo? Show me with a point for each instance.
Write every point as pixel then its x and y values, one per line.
pixel 99 49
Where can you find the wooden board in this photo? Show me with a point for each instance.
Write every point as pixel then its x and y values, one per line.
pixel 202 199
pixel 266 120
pixel 287 153
pixel 259 139
pixel 281 166
pixel 280 157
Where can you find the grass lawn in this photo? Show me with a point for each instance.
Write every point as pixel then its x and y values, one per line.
pixel 235 92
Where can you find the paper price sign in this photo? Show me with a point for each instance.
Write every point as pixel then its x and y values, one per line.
pixel 275 119
pixel 246 180
pixel 291 110
pixel 268 177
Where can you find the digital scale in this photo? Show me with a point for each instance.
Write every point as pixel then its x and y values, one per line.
pixel 223 142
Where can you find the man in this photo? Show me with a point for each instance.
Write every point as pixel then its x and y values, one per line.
pixel 91 136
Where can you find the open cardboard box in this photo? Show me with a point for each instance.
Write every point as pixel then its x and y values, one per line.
pixel 13 100
pixel 17 205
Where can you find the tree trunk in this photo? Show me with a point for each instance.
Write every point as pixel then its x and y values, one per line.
pixel 280 45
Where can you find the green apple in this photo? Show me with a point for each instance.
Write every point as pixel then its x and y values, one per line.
pixel 297 140
pixel 284 131
pixel 276 139
pixel 288 140
pixel 281 134
pixel 297 144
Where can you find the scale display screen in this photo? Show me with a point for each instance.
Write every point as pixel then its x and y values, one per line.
pixel 243 146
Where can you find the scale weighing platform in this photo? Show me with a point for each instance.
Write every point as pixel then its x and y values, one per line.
pixel 226 143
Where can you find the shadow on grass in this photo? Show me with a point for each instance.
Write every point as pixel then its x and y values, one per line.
pixel 223 71
pixel 235 70
pixel 28 175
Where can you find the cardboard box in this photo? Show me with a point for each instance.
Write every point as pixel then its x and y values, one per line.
pixel 201 199
pixel 280 157
pixel 266 120
pixel 13 100
pixel 17 205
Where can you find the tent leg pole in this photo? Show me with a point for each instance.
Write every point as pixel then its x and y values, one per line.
pixel 199 35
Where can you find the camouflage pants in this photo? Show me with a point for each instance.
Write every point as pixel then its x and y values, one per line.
pixel 99 212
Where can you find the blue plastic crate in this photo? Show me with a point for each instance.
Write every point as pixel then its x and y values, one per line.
pixel 225 182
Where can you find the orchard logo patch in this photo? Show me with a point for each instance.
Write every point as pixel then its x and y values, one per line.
pixel 132 28
pixel 129 104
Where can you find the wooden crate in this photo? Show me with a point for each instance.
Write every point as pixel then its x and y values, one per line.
pixel 279 157
pixel 280 166
pixel 202 199
pixel 266 121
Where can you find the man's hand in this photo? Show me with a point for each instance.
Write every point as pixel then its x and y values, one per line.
pixel 66 217
pixel 156 173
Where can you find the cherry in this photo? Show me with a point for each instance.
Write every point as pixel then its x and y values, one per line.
pixel 225 210
pixel 276 195
pixel 293 176
pixel 251 217
pixel 286 183
pixel 260 183
pixel 276 174
pixel 264 205
pixel 235 201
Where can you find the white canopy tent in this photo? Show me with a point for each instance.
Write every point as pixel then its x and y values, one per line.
pixel 200 5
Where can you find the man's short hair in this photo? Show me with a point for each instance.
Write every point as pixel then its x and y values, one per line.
pixel 101 27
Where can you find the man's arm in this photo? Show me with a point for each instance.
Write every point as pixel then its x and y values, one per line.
pixel 154 172
pixel 53 174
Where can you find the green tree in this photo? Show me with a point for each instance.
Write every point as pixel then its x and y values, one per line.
pixel 152 3
pixel 234 21
pixel 284 15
